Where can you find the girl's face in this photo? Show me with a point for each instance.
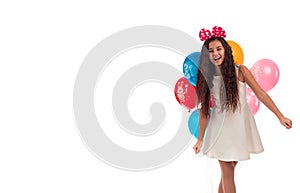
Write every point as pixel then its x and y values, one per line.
pixel 216 52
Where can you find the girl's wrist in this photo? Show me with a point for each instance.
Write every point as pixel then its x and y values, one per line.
pixel 280 116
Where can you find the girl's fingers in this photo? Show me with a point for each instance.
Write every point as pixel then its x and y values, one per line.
pixel 288 125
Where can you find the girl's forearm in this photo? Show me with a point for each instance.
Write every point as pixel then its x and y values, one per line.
pixel 269 103
pixel 202 125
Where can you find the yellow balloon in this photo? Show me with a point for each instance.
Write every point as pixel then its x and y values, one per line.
pixel 237 52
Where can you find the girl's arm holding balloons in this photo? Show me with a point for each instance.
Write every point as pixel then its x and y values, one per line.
pixel 263 96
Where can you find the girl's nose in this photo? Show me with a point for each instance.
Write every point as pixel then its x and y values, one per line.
pixel 215 53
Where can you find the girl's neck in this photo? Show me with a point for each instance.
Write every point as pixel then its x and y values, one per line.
pixel 218 71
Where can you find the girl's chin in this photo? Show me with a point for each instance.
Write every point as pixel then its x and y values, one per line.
pixel 218 63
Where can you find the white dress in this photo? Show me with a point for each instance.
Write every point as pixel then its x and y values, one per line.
pixel 231 136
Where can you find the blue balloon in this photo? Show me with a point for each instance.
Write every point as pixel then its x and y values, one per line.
pixel 193 122
pixel 190 67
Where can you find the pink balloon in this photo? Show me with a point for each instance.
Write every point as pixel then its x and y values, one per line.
pixel 252 100
pixel 212 101
pixel 266 73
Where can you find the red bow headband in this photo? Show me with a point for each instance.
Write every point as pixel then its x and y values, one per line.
pixel 205 34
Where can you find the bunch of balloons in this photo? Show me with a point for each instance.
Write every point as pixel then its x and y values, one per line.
pixel 265 72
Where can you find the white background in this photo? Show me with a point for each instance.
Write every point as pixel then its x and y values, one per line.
pixel 42 45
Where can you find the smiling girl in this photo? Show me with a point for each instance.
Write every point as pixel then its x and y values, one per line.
pixel 231 131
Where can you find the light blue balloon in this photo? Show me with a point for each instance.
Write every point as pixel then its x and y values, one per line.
pixel 193 123
pixel 190 67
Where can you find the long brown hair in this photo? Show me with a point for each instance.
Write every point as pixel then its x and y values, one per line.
pixel 207 70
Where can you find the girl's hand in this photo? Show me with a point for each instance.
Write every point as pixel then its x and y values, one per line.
pixel 197 146
pixel 286 122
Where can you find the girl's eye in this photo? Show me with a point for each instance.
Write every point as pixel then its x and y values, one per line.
pixel 210 51
pixel 219 49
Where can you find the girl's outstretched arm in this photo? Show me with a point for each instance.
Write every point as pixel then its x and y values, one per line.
pixel 263 96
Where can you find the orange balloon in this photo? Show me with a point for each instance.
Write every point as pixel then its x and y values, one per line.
pixel 237 52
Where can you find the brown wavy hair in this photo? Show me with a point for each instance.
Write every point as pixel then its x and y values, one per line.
pixel 229 94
